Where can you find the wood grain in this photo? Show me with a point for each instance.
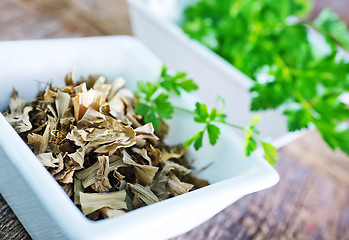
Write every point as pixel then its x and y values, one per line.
pixel 311 201
pixel 104 17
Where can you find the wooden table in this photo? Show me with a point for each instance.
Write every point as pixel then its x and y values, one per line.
pixel 311 201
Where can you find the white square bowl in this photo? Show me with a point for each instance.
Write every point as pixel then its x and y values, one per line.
pixel 40 203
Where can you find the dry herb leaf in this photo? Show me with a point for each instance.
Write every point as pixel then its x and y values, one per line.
pixel 34 142
pixel 19 116
pixel 144 173
pixel 77 158
pixel 91 202
pixel 47 160
pixel 60 165
pixel 78 137
pixel 89 175
pixel 174 153
pixel 46 137
pixel 84 100
pixel 77 189
pixel 91 118
pixel 176 187
pixel 146 132
pixel 62 103
pixel 144 153
pixel 101 86
pixel 179 169
pixel 159 186
pixel 50 96
pixel 102 183
pixel 145 194
pixel 117 84
pixel 114 135
pixel 108 212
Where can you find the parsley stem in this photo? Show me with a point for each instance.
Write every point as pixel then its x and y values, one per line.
pixel 226 123
pixel 183 110
pixel 232 125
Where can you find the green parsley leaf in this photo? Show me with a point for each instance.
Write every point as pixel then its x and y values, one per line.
pixel 213 133
pixel 332 27
pixel 196 139
pixel 142 109
pixel 269 152
pixel 176 83
pixel 250 143
pixel 201 112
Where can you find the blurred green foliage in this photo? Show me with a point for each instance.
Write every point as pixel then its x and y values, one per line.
pixel 269 41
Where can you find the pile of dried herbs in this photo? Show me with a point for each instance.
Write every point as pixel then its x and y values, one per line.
pixel 103 154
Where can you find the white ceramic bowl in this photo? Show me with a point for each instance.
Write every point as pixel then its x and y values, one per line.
pixel 39 202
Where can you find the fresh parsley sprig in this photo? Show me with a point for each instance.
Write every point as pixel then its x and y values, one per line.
pixel 154 105
pixel 269 41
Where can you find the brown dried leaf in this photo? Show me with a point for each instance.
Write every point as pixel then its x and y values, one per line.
pixel 176 187
pixel 179 169
pixel 60 165
pixel 77 158
pixel 137 202
pixel 77 189
pixel 46 137
pixel 159 186
pixel 69 78
pixel 91 202
pixel 80 88
pixel 144 173
pixel 19 116
pixel 103 87
pixel 91 118
pixel 67 117
pixel 62 103
pixel 121 101
pixel 145 194
pixel 114 135
pixel 143 152
pixel 108 212
pixel 117 84
pixel 84 100
pixel 67 176
pixel 16 103
pixel 102 183
pixel 47 160
pixel 78 137
pixel 146 132
pixel 34 142
pixel 155 155
pixel 175 153
pixel 88 176
pixel 50 96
